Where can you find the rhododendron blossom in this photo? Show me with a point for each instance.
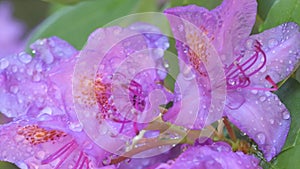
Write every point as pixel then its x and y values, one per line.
pixel 108 106
pixel 252 65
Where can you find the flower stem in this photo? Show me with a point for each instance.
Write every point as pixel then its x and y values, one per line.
pixel 151 143
pixel 229 129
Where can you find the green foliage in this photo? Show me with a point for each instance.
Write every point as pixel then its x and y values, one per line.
pixel 289 94
pixel 75 23
pixel 209 4
pixel 264 7
pixel 280 12
pixel 66 2
pixel 7 165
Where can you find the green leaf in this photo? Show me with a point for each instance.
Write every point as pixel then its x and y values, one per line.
pixel 289 159
pixel 75 23
pixel 7 165
pixel 66 2
pixel 264 7
pixel 209 4
pixel 282 11
pixel 297 75
pixel 289 94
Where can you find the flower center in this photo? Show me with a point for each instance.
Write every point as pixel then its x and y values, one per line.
pixel 136 96
pixel 37 135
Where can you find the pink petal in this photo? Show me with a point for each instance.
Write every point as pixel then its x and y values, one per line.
pixel 282 48
pixel 263 118
pixel 38 84
pixel 47 145
pixel 226 26
pixel 218 155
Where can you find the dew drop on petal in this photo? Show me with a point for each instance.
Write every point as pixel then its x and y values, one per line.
pixel 106 161
pixel 262 99
pixel 285 115
pixel 25 58
pixel 4 63
pixel 249 44
pixel 40 155
pixel 46 110
pixel 261 138
pixel 76 126
pixel 14 89
pixel 14 69
pixel 19 138
pixel 254 91
pixel 272 43
pixel 272 121
pixel 22 165
pixel 36 77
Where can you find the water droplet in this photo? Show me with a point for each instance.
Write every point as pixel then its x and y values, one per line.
pixel 231 82
pixel 180 28
pixel 249 44
pixel 14 89
pixel 262 99
pixel 36 77
pixel 46 110
pixel 272 121
pixel 76 126
pixel 188 73
pixel 103 130
pixel 261 138
pixel 272 43
pixel 38 67
pixel 25 58
pixel 14 69
pixel 40 155
pixel 106 161
pixel 158 53
pixel 166 64
pixel 285 115
pixel 19 138
pixel 22 165
pixel 4 63
pixel 254 91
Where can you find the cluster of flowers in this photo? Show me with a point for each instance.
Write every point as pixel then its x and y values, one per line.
pixel 106 106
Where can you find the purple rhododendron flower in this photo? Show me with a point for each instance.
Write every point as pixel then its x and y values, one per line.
pixel 217 155
pixel 11 31
pixel 127 91
pixel 252 65
pixel 37 92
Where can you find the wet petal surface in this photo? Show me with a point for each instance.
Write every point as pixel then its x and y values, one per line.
pixel 263 118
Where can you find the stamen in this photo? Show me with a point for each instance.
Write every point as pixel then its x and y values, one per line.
pixel 136 96
pixel 85 161
pixel 66 149
pixel 238 75
pixel 269 79
pixel 78 160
